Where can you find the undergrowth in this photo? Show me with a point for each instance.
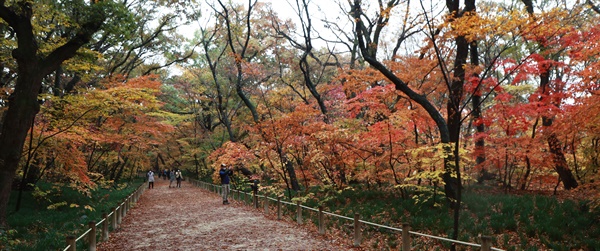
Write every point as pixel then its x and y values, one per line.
pixel 515 222
pixel 50 213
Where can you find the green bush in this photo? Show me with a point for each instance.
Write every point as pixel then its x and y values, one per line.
pixel 39 228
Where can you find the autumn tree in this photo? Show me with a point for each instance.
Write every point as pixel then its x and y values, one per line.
pixel 549 86
pixel 33 66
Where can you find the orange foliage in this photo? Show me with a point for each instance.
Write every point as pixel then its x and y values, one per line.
pixel 93 131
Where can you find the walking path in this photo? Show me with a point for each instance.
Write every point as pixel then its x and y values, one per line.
pixel 189 218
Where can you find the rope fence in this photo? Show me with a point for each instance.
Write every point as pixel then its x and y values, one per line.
pixel 253 198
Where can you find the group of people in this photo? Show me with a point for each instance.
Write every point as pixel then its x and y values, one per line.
pixel 175 175
pixel 172 175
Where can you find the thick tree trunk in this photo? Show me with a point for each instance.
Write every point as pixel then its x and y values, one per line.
pixel 453 184
pixel 554 144
pixel 23 106
pixel 560 163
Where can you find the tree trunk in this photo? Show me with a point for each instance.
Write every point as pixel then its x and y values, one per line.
pixel 477 115
pixel 23 106
pixel 453 184
pixel 558 156
pixel 289 167
pixel 560 163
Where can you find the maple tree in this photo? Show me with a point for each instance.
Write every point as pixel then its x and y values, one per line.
pixel 550 87
pixel 107 133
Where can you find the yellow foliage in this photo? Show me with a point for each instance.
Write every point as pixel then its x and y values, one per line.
pixel 56 205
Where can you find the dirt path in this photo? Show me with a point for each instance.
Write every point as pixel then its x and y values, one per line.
pixel 190 218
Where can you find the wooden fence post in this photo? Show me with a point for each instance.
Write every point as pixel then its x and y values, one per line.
pixel 405 237
pixel 266 204
pixel 130 204
pixel 486 243
pixel 104 227
pixel 279 207
pixel 114 218
pixel 71 243
pixel 299 215
pixel 321 221
pixel 357 232
pixel 92 236
pixel 123 209
pixel 255 200
pixel 119 214
pixel 126 204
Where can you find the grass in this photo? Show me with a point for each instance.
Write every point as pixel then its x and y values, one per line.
pixel 516 222
pixel 35 227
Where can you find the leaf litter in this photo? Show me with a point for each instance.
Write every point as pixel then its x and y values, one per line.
pixel 189 218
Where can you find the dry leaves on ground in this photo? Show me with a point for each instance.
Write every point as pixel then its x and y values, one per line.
pixel 190 218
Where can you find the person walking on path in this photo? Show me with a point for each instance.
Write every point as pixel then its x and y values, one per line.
pixel 225 174
pixel 150 179
pixel 178 177
pixel 171 178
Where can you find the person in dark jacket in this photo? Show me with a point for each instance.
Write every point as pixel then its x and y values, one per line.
pixel 225 174
pixel 179 177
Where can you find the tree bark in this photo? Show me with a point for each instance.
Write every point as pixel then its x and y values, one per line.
pixel 477 115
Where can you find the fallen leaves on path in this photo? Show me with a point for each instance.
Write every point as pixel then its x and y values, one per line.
pixel 190 218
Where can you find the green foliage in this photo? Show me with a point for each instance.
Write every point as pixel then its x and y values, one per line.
pixel 37 227
pixel 559 225
pixel 8 241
